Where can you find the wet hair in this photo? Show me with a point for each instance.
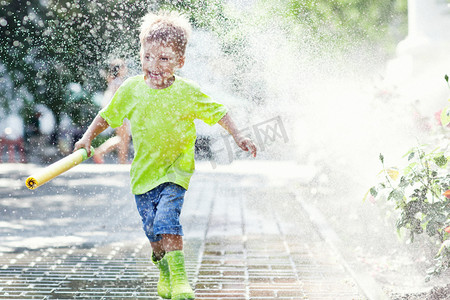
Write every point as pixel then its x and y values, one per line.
pixel 169 28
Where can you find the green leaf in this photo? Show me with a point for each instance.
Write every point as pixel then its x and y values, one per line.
pixel 399 231
pixel 365 196
pixel 411 236
pixel 396 195
pixel 382 158
pixel 446 77
pixel 411 156
pixel 403 182
pixel 422 155
pixel 400 223
pixel 445 116
pixel 441 161
pixel 440 219
pixel 407 153
pixel 373 191
pixel 445 244
pixel 409 168
pixel 432 228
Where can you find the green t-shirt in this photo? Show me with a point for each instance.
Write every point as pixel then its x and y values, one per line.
pixel 162 127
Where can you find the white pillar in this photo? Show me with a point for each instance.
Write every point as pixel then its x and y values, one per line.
pixel 429 19
pixel 423 58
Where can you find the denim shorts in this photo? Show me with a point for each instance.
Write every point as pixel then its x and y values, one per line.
pixel 160 210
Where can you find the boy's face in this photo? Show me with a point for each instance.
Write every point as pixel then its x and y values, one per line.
pixel 159 62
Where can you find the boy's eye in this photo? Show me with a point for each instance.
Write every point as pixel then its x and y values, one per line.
pixel 164 59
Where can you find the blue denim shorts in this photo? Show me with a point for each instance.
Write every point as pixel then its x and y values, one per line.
pixel 160 210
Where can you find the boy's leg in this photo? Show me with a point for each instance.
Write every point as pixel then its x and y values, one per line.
pixel 163 287
pixel 172 242
pixel 162 226
pixel 169 242
pixel 167 225
pixel 181 290
pixel 158 249
pixel 146 205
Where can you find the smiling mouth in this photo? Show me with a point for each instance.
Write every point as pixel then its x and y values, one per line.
pixel 153 75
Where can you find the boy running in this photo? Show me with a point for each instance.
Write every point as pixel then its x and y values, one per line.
pixel 161 108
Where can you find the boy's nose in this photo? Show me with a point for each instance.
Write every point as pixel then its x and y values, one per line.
pixel 153 64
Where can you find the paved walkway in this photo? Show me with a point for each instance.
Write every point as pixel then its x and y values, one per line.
pixel 246 237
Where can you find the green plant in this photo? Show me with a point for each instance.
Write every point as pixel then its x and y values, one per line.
pixel 420 193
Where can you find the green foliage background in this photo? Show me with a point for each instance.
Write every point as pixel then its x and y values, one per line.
pixel 47 44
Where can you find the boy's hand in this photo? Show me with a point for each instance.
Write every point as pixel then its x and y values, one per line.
pixel 97 126
pixel 83 143
pixel 246 144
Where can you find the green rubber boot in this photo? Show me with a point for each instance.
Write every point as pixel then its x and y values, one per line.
pixel 164 289
pixel 181 290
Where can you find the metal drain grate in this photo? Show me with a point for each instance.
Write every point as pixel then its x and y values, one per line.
pixel 77 274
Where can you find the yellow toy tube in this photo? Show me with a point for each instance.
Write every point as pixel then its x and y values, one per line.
pixel 57 168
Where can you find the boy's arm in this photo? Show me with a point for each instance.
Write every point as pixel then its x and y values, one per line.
pixel 243 142
pixel 97 126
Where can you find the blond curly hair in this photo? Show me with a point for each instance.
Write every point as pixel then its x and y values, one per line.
pixel 168 27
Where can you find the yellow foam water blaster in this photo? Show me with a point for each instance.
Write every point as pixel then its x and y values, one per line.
pixel 57 168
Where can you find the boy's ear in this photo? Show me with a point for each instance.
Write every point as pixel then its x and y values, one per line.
pixel 181 61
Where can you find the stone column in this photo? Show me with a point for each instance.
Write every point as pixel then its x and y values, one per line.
pixel 423 57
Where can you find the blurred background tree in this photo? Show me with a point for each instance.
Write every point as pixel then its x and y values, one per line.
pixel 383 22
pixel 342 29
pixel 48 45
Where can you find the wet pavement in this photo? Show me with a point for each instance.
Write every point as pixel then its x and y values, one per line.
pixel 247 236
